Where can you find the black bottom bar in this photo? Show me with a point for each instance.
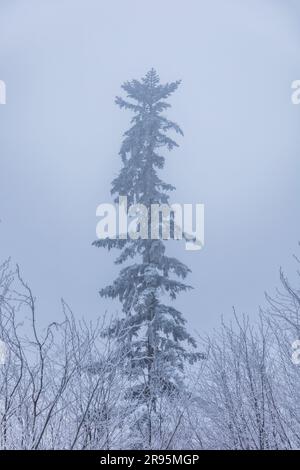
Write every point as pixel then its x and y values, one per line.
pixel 134 459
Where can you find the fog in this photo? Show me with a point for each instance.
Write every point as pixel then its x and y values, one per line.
pixel 63 62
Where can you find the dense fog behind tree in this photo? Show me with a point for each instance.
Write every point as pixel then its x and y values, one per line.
pixel 148 376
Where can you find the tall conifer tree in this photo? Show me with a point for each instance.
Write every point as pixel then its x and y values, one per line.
pixel 152 336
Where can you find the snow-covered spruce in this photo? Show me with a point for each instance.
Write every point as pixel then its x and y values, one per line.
pixel 155 343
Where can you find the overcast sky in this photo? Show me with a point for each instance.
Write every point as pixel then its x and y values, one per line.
pixel 63 62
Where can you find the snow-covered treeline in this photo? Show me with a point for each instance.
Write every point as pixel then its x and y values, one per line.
pixel 64 387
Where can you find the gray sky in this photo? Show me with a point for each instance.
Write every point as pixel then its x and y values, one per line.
pixel 63 62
